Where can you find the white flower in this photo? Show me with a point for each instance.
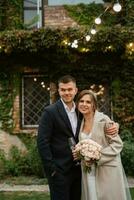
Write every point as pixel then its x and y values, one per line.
pixel 88 151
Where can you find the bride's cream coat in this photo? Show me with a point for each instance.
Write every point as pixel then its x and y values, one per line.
pixel 110 183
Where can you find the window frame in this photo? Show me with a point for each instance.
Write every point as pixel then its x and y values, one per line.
pixel 22 106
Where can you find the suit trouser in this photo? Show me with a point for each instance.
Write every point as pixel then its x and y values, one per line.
pixel 66 187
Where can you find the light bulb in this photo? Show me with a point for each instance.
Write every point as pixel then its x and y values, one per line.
pixel 74 45
pixel 76 41
pixel 42 83
pixel 93 31
pixel 117 7
pixel 130 44
pixel 88 38
pixel 98 20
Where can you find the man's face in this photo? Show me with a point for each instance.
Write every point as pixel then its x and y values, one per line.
pixel 67 91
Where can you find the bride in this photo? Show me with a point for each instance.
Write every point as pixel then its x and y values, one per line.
pixel 106 180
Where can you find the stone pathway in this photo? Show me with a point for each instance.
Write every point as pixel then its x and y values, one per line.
pixel 35 188
pixel 131 181
pixel 39 188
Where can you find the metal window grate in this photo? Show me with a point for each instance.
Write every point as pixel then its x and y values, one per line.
pixel 35 96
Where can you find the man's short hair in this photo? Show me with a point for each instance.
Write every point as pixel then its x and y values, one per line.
pixel 67 79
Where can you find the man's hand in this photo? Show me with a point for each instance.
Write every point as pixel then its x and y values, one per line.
pixel 75 156
pixel 112 129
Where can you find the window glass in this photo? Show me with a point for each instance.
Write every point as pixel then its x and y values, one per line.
pixel 32 19
pixel 61 2
pixel 33 13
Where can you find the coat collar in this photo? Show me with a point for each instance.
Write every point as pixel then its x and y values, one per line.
pixel 98 117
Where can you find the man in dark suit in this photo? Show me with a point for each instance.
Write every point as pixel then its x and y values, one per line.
pixel 58 123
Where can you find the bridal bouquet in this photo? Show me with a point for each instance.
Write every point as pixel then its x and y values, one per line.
pixel 89 152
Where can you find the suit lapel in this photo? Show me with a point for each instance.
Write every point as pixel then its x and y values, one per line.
pixel 79 119
pixel 64 115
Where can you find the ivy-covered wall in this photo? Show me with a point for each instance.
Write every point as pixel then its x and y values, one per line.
pixel 87 68
pixel 107 58
pixel 123 97
pixel 11 14
pixel 9 88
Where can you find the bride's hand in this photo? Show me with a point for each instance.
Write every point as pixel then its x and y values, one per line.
pixel 89 163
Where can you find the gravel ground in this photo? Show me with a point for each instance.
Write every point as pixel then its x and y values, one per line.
pixel 40 188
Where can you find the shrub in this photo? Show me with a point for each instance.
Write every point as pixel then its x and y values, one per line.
pixel 20 164
pixel 127 153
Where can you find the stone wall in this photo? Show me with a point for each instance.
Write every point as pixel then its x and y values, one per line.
pixel 7 141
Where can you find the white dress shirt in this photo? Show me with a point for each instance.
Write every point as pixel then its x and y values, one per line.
pixel 71 115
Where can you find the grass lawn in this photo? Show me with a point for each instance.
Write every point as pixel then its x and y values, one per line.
pixel 132 193
pixel 24 195
pixel 28 195
pixel 32 195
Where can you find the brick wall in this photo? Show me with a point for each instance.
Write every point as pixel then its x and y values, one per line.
pixel 57 17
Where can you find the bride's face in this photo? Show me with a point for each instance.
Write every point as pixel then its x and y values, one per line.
pixel 85 104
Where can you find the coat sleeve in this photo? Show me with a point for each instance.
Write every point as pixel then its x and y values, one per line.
pixel 111 149
pixel 110 152
pixel 45 131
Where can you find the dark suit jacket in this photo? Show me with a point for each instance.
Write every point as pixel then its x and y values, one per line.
pixel 53 133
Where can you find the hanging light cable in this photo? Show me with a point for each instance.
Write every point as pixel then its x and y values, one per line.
pixel 98 19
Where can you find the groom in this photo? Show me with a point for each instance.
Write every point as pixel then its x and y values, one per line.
pixel 59 122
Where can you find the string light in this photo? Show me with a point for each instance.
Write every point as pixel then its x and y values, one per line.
pixel 65 42
pixel 75 41
pixel 98 20
pixel 97 89
pixel 88 37
pixel 130 48
pixel 117 7
pixel 130 44
pixel 74 45
pixel 42 83
pixel 84 50
pixel 93 31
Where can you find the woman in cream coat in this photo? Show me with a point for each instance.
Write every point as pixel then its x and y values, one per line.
pixel 106 181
